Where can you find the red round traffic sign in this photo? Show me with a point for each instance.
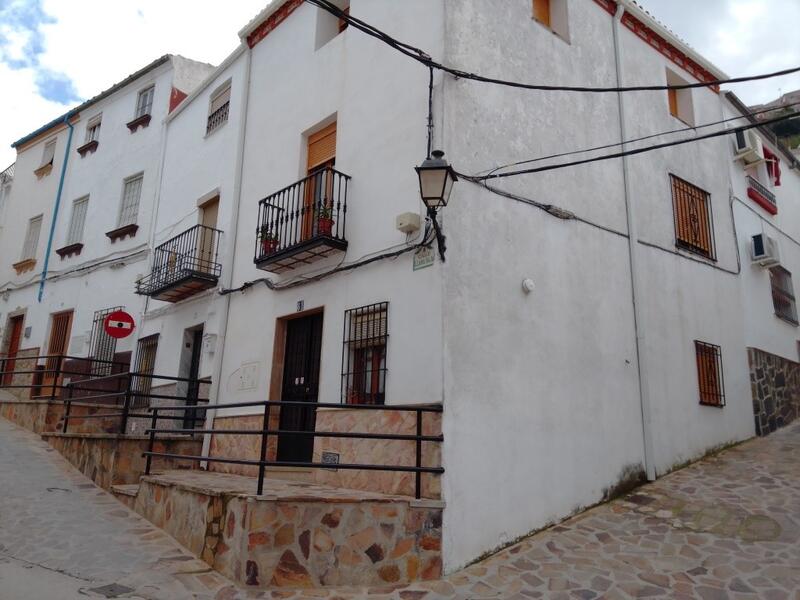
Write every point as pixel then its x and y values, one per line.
pixel 119 324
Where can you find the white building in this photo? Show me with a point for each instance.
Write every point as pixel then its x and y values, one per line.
pixel 80 210
pixel 278 267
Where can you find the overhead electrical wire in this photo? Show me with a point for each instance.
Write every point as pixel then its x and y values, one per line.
pixel 424 58
pixel 634 140
pixel 624 153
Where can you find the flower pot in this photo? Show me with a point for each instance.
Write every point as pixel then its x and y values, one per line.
pixel 269 246
pixel 324 226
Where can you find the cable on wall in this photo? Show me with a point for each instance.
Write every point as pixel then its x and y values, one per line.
pixel 423 57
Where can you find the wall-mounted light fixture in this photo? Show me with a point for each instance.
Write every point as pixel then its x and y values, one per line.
pixel 436 179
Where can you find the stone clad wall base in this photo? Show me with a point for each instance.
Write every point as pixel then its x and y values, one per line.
pixel 306 541
pixel 47 416
pixel 30 414
pixel 110 459
pixel 775 382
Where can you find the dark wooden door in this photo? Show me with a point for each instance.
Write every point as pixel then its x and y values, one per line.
pixel 193 390
pixel 300 384
pixel 13 347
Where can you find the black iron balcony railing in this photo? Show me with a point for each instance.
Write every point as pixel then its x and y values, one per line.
pixel 770 202
pixel 218 117
pixel 7 174
pixel 302 223
pixel 183 266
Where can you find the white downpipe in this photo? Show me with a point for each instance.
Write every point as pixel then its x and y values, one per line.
pixel 227 267
pixel 633 249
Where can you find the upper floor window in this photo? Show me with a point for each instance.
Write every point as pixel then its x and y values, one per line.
pixel 553 15
pixel 77 221
pixel 681 103
pixel 694 226
pixel 364 354
pixel 93 129
pixel 709 374
pixel 49 153
pixel 31 238
pixel 219 108
pixel 144 104
pixel 783 294
pixel 131 194
pixel 329 25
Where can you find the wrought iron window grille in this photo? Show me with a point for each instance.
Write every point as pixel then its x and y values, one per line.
pixel 364 342
pixel 710 375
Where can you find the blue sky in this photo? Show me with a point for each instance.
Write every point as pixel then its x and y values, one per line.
pixel 55 53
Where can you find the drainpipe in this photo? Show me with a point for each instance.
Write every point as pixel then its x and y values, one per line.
pixel 230 259
pixel 633 249
pixel 55 208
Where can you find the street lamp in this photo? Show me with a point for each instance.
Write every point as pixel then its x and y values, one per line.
pixel 436 178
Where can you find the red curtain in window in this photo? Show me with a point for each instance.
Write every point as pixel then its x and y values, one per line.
pixel 773 167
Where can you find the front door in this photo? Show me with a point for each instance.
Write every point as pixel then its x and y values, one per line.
pixel 193 385
pixel 300 384
pixel 13 347
pixel 56 349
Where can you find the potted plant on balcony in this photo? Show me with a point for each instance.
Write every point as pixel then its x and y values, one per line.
pixel 325 221
pixel 269 240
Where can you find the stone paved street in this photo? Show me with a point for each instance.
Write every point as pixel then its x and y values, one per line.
pixel 727 527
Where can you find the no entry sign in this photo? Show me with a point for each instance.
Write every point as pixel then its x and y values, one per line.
pixel 119 324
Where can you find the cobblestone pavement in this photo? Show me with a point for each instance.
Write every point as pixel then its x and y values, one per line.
pixel 727 527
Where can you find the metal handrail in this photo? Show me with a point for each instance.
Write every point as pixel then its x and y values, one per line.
pixel 762 189
pixel 418 438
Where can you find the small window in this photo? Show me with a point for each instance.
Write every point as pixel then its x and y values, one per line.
pixel 131 193
pixel 48 153
pixel 709 374
pixel 93 129
pixel 694 227
pixel 364 354
pixel 783 294
pixel 219 108
pixel 553 15
pixel 680 102
pixel 328 25
pixel 144 104
pixel 32 238
pixel 77 220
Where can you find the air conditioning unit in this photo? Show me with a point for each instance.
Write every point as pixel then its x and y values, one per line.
pixel 765 251
pixel 749 147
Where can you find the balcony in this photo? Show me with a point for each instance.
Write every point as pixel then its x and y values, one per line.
pixel 183 266
pixel 759 194
pixel 302 223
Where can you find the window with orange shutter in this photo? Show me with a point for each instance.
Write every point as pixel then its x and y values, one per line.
pixel 694 225
pixel 709 374
pixel 541 11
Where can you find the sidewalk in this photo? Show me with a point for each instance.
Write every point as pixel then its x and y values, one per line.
pixel 727 527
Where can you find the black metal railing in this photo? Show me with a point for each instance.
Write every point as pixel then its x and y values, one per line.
pixel 193 253
pixel 7 174
pixel 218 117
pixel 314 208
pixel 762 190
pixel 124 395
pixel 265 432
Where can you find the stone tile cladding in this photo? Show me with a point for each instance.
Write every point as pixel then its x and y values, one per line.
pixel 775 382
pixel 109 459
pixel 30 414
pixel 349 450
pixel 25 361
pixel 42 416
pixel 300 535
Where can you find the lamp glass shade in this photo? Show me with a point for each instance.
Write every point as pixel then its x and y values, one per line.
pixel 436 179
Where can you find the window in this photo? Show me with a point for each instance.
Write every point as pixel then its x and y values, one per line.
pixel 93 129
pixel 131 193
pixel 32 238
pixel 783 294
pixel 364 354
pixel 219 108
pixel 48 154
pixel 77 221
pixel 681 104
pixel 694 228
pixel 709 374
pixel 553 15
pixel 102 346
pixel 329 26
pixel 144 104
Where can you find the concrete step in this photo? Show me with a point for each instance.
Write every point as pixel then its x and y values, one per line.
pixel 126 493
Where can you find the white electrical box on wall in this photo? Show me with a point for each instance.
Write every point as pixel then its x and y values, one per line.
pixel 408 222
